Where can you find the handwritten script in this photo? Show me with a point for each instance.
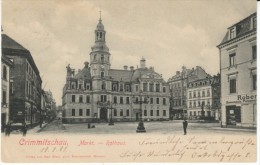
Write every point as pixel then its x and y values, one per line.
pixel 175 148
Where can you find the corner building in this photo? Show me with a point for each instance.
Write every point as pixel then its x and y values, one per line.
pixel 238 74
pixel 99 93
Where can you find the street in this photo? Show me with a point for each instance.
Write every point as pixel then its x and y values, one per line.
pixel 165 127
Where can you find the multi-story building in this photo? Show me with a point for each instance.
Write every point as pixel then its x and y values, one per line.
pixel 203 98
pixel 6 87
pixel 238 71
pixel 178 89
pixel 98 93
pixel 25 99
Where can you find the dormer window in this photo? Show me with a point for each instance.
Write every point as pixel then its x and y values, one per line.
pixel 232 33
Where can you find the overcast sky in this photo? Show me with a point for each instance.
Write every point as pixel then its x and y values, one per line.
pixel 168 33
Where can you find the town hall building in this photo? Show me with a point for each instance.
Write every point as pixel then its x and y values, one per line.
pixel 99 93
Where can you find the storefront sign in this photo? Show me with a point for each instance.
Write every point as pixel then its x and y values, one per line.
pixel 246 98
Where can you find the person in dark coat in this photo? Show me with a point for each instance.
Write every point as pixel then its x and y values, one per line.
pixel 185 125
pixel 24 129
pixel 8 129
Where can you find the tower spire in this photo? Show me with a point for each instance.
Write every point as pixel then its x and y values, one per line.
pixel 100 15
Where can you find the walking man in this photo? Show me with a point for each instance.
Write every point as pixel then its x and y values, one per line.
pixel 185 125
pixel 24 129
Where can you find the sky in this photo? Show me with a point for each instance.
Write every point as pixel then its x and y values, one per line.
pixel 169 34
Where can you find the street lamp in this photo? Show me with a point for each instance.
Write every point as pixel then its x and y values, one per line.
pixel 140 127
pixel 111 122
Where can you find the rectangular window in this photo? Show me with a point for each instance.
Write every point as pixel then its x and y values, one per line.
pixel 73 98
pixel 164 112
pixel 121 87
pixel 145 87
pixel 158 113
pixel 115 99
pixel 102 74
pixel 103 98
pixel 254 82
pixel 4 97
pixel 157 100
pixel 87 99
pixel 127 88
pixel 151 100
pixel 232 59
pixel 157 87
pixel 194 94
pixel 208 93
pixel 121 112
pixel 87 86
pixel 87 112
pixel 127 112
pixel 11 87
pixel 190 96
pixel 232 33
pixel 121 100
pixel 164 101
pixel 80 86
pixel 127 100
pixel 194 113
pixel 190 104
pixel 80 112
pixel 151 86
pixel 232 86
pixel 145 112
pixel 115 112
pixel 194 104
pixel 190 113
pixel 73 112
pixel 254 22
pixel 80 98
pixel 151 112
pixel 254 54
pixel 136 88
pixel 164 89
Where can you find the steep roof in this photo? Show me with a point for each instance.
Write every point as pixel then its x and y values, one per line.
pixel 121 75
pixel 84 73
pixel 9 43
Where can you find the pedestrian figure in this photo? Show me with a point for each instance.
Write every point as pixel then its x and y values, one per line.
pixel 185 125
pixel 24 129
pixel 8 129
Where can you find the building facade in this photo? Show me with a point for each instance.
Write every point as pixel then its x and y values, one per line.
pixel 99 93
pixel 178 90
pixel 238 71
pixel 25 99
pixel 203 98
pixel 6 87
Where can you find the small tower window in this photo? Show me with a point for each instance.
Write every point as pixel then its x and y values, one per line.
pixel 100 34
pixel 102 58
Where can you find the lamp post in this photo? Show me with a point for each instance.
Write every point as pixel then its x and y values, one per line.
pixel 111 122
pixel 140 127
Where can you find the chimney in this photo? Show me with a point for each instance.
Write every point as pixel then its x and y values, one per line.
pixel 86 64
pixel 142 63
pixel 125 67
pixel 151 68
pixel 131 68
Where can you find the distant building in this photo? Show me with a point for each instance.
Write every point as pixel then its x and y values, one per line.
pixel 6 88
pixel 203 98
pixel 178 89
pixel 25 100
pixel 98 93
pixel 238 71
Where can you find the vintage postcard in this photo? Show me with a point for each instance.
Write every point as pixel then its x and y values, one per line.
pixel 107 81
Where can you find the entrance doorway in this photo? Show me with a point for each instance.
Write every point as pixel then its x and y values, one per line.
pixel 233 115
pixel 103 114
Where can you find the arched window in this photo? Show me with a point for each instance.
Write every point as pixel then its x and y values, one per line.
pixel 4 73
